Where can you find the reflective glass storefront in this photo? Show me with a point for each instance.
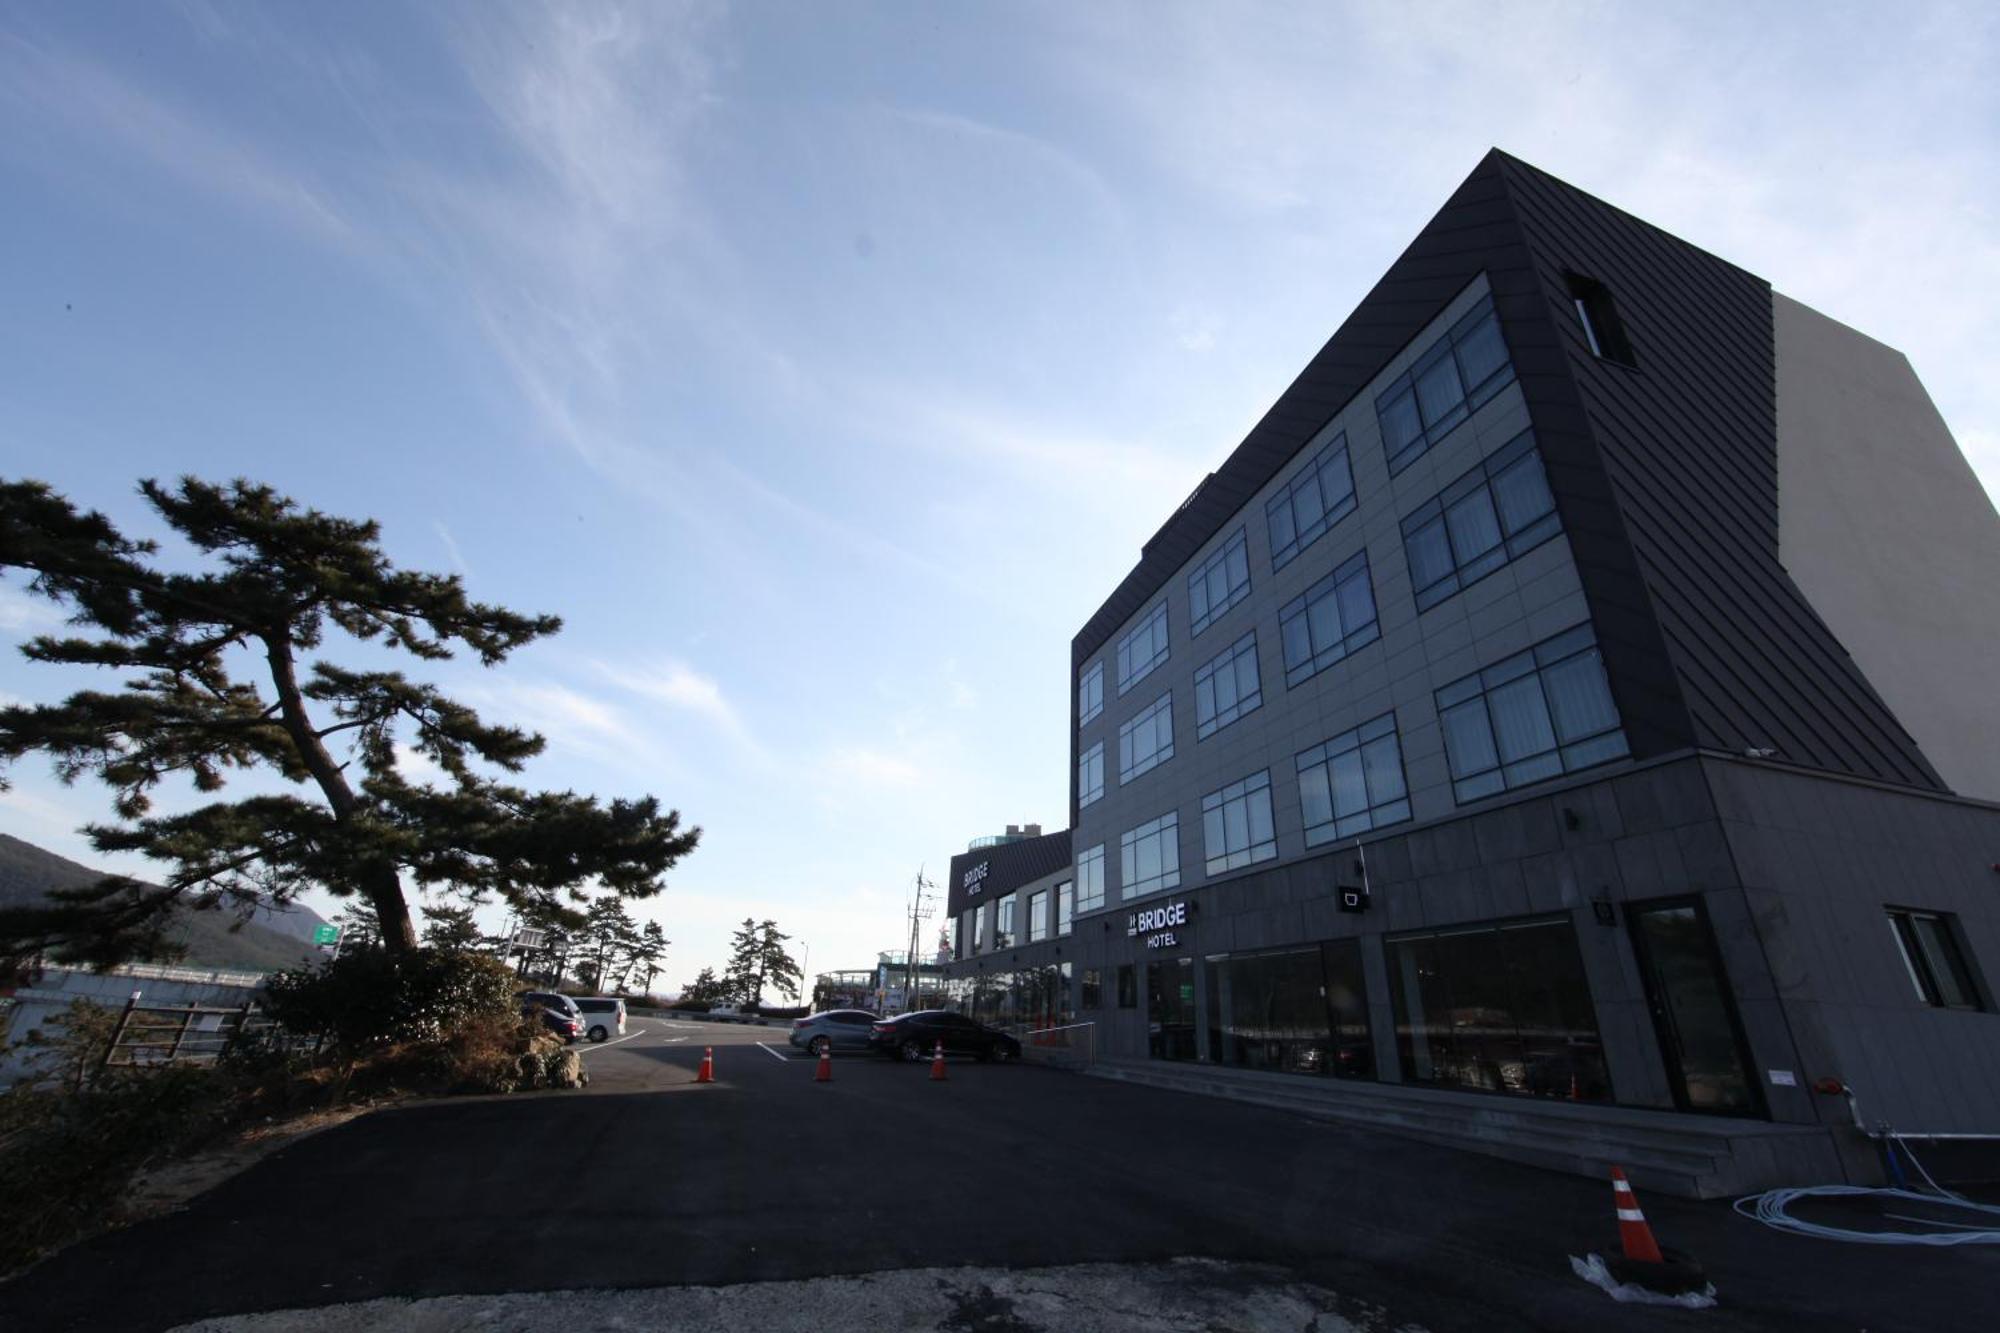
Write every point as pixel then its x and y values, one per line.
pixel 1501 1007
pixel 1297 1011
pixel 1170 1010
pixel 1023 999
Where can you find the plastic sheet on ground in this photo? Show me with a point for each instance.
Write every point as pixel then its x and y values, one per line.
pixel 1592 1270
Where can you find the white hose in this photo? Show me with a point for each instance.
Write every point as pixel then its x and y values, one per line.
pixel 1769 1208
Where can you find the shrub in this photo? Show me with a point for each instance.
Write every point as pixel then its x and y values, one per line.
pixel 364 1001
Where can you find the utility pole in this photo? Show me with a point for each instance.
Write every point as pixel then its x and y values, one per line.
pixel 920 911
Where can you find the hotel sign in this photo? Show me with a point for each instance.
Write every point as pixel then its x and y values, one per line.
pixel 971 879
pixel 1159 925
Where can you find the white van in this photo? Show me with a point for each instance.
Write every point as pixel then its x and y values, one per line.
pixel 603 1016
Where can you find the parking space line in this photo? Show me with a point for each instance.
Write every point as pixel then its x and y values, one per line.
pixel 775 1055
pixel 600 1045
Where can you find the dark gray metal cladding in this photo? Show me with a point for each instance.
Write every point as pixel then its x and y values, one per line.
pixel 1008 866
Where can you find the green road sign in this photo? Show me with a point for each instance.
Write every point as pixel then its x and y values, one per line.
pixel 325 934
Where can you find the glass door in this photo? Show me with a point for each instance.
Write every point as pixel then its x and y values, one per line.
pixel 1708 1063
pixel 1170 1016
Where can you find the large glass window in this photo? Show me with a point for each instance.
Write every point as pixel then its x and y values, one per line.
pixel 1090 879
pixel 1533 716
pixel 1937 966
pixel 1147 740
pixel 1299 1011
pixel 1333 618
pixel 1128 987
pixel 1227 688
pixel 1504 1008
pixel 1218 583
pixel 1353 782
pixel 1093 989
pixel 1149 856
pixel 979 929
pixel 1460 372
pixel 964 940
pixel 1489 516
pixel 1038 917
pixel 1090 694
pixel 1318 496
pixel 1090 775
pixel 1065 907
pixel 1236 824
pixel 1143 649
pixel 1003 923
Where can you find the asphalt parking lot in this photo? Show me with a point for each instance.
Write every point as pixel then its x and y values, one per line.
pixel 649 1179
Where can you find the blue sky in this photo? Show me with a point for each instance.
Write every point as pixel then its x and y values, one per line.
pixel 825 366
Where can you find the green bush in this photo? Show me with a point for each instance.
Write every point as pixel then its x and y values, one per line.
pixel 362 1001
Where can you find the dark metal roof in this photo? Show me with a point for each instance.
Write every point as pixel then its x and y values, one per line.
pixel 1008 867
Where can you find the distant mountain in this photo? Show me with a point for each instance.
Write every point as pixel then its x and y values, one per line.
pixel 271 940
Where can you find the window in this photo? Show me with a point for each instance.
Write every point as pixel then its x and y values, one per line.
pixel 1147 741
pixel 1003 924
pixel 1143 649
pixel 1353 782
pixel 1319 496
pixel 1537 715
pixel 1937 966
pixel 1090 694
pixel 1038 917
pixel 1065 907
pixel 1299 1011
pixel 1494 513
pixel 964 939
pixel 1462 371
pixel 1333 618
pixel 979 929
pixel 1227 688
pixel 1602 328
pixel 1219 583
pixel 1236 824
pixel 1090 879
pixel 1093 989
pixel 1090 775
pixel 1128 987
pixel 1504 1008
pixel 1149 857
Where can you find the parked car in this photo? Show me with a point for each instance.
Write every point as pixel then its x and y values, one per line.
pixel 915 1036
pixel 833 1030
pixel 724 1011
pixel 558 1013
pixel 603 1016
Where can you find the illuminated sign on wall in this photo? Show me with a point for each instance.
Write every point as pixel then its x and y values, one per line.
pixel 1158 924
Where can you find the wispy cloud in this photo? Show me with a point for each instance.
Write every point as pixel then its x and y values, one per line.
pixel 875 767
pixel 24 614
pixel 680 686
pixel 87 98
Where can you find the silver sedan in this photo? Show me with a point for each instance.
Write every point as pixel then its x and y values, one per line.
pixel 833 1030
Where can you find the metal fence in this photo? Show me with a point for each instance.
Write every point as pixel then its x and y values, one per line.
pixel 150 1035
pixel 1073 1046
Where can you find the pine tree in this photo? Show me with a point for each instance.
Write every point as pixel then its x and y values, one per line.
pixel 741 979
pixel 449 927
pixel 706 988
pixel 227 673
pixel 608 930
pixel 776 967
pixel 650 953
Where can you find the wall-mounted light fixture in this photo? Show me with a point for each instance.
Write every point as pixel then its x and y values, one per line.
pixel 1607 915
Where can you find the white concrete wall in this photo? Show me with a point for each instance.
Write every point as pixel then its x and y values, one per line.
pixel 1887 531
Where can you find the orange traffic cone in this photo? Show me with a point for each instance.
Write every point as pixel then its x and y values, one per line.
pixel 706 1074
pixel 825 1074
pixel 1633 1232
pixel 937 1064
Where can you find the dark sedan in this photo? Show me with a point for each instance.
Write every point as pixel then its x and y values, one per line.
pixel 915 1036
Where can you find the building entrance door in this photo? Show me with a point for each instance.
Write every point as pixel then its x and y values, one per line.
pixel 1170 1015
pixel 1708 1061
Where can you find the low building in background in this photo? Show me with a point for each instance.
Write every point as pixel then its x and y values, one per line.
pixel 1565 725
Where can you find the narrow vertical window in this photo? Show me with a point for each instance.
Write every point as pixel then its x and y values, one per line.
pixel 1598 313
